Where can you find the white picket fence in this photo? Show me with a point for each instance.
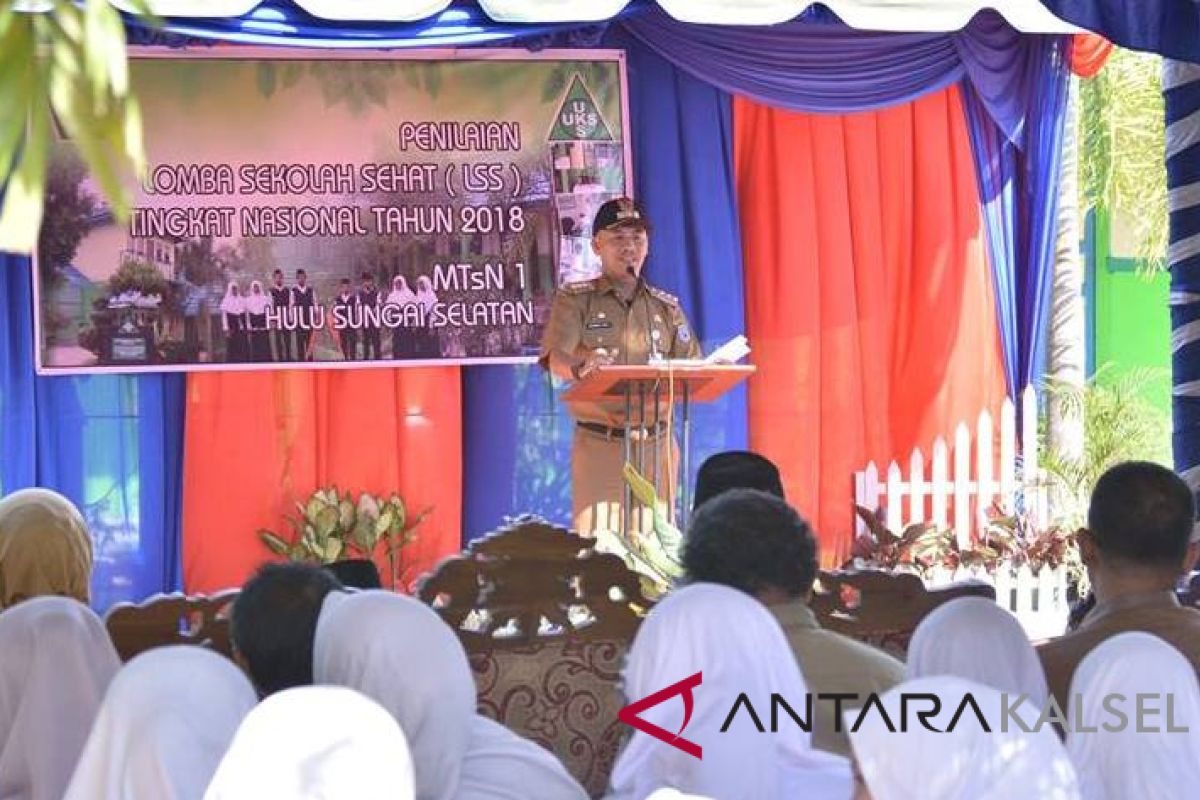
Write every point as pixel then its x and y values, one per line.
pixel 957 487
pixel 1011 481
pixel 1038 600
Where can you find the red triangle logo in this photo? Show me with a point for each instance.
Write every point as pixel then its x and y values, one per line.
pixel 629 714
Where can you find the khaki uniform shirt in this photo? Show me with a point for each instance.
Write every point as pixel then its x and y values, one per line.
pixel 590 315
pixel 1158 613
pixel 834 664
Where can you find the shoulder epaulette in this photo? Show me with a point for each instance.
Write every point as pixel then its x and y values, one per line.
pixel 579 287
pixel 666 297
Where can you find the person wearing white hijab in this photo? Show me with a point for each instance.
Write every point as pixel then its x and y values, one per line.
pixel 397 651
pixel 166 720
pixel 908 761
pixel 233 322
pixel 974 638
pixel 400 296
pixel 427 299
pixel 1151 764
pixel 56 662
pixel 738 647
pixel 256 303
pixel 316 743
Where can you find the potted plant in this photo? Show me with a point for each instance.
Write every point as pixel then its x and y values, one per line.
pixel 332 527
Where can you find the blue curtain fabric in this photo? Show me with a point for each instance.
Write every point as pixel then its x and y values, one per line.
pixel 830 68
pixel 1020 202
pixel 113 444
pixel 1181 90
pixel 1168 27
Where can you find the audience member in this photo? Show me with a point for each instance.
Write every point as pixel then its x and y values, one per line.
pixel 274 620
pixel 757 543
pixel 735 469
pixel 166 721
pixel 974 638
pixel 1152 762
pixel 358 573
pixel 45 548
pixel 56 662
pixel 316 743
pixel 1135 547
pixel 960 758
pixel 739 648
pixel 398 652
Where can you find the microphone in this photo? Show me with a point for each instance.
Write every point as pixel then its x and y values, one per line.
pixel 650 332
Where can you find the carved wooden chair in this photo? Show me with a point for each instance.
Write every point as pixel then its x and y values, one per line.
pixel 883 608
pixel 165 619
pixel 546 621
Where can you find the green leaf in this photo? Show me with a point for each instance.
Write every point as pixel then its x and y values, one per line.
pixel 276 544
pixel 22 214
pixel 364 535
pixel 346 515
pixel 333 549
pixel 313 509
pixel 399 512
pixel 327 521
pixel 368 506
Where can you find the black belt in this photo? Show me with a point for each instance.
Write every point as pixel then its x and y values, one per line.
pixel 638 432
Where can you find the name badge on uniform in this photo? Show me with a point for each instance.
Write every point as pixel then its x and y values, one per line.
pixel 598 324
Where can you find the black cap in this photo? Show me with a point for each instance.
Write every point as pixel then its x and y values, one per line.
pixel 357 573
pixel 618 213
pixel 736 469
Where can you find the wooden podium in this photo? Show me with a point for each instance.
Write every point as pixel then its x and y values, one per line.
pixel 640 386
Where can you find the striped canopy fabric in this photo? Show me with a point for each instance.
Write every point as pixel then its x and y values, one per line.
pixel 1028 16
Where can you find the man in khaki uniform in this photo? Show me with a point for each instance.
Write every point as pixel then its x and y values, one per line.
pixel 616 318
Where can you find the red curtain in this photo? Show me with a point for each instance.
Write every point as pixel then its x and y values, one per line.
pixel 256 443
pixel 869 301
pixel 1089 54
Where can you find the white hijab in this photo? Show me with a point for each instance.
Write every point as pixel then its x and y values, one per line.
pixel 233 303
pixel 425 294
pixel 974 638
pixel 738 646
pixel 401 654
pixel 257 303
pixel 1114 765
pixel 316 743
pixel 968 763
pixel 56 661
pixel 400 295
pixel 167 719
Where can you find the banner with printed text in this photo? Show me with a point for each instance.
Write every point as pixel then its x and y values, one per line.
pixel 314 210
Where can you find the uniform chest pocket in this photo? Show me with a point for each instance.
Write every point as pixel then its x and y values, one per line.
pixel 599 332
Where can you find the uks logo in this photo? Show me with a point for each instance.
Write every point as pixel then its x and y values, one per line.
pixel 629 714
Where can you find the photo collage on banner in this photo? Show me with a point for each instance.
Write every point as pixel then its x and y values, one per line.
pixel 314 210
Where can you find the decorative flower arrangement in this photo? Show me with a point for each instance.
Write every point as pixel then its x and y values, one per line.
pixel 336 527
pixel 1007 539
